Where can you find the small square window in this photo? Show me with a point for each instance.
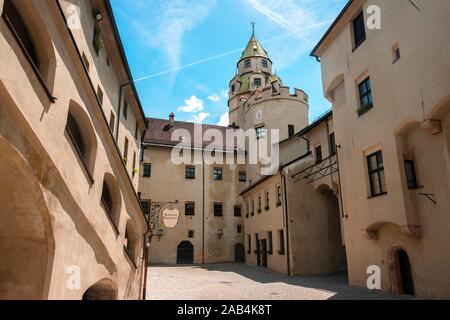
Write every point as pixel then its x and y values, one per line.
pixel 189 208
pixel 258 82
pixel 247 63
pixel 218 174
pixel 218 209
pixel 191 234
pixel 237 211
pixel 242 176
pixel 147 172
pixel 190 172
pixel 319 156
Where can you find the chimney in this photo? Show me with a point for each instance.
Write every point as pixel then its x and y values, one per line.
pixel 172 119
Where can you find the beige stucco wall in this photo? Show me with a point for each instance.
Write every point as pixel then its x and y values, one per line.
pixel 168 185
pixel 405 93
pixel 79 230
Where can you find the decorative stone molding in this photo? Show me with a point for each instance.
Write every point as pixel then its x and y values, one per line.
pixel 433 127
pixel 414 232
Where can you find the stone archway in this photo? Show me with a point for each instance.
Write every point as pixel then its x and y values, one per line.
pixel 400 270
pixel 104 289
pixel 185 253
pixel 26 241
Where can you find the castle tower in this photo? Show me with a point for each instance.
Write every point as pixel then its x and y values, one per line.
pixel 258 100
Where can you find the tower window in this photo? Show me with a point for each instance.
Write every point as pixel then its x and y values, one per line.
pixel 189 209
pixel 258 82
pixel 265 64
pixel 233 88
pixel 291 130
pixel 247 63
pixel 261 132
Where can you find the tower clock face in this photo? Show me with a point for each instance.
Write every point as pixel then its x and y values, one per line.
pixel 258 115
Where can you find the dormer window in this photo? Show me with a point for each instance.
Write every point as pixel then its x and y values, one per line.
pixel 265 64
pixel 247 63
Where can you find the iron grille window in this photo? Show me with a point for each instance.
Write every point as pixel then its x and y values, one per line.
pixel 319 156
pixel 359 30
pixel 218 174
pixel 376 174
pixel 189 208
pixel 190 172
pixel 265 64
pixel 237 211
pixel 242 176
pixel 333 147
pixel 147 170
pixel 365 96
pixel 247 63
pixel 218 209
pixel 411 176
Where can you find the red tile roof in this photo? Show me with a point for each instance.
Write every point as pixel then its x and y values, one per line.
pixel 160 133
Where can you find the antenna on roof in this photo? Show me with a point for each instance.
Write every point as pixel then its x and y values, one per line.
pixel 253 27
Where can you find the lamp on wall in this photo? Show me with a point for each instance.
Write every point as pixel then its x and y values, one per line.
pixel 219 233
pixel 98 16
pixel 160 233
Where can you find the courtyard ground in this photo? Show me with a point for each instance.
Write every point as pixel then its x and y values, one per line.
pixel 243 282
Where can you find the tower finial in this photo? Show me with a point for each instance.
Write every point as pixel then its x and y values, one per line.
pixel 253 27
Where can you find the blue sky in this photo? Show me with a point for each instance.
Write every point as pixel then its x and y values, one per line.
pixel 183 53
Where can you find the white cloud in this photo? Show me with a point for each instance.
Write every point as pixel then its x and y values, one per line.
pixel 199 118
pixel 162 24
pixel 214 97
pixel 192 105
pixel 224 120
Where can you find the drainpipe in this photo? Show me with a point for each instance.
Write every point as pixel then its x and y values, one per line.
pixel 146 248
pixel 120 109
pixel 203 206
pixel 286 212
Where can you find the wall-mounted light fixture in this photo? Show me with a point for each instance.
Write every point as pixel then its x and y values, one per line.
pixel 98 16
pixel 219 233
pixel 160 233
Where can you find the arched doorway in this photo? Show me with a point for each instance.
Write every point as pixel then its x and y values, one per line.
pixel 26 241
pixel 401 272
pixel 102 290
pixel 185 253
pixel 239 253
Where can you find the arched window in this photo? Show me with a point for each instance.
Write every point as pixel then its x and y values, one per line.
pixel 111 200
pixel 32 37
pixel 17 24
pixel 82 137
pixel 131 241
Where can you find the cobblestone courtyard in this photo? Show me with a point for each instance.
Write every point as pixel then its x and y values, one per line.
pixel 243 282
